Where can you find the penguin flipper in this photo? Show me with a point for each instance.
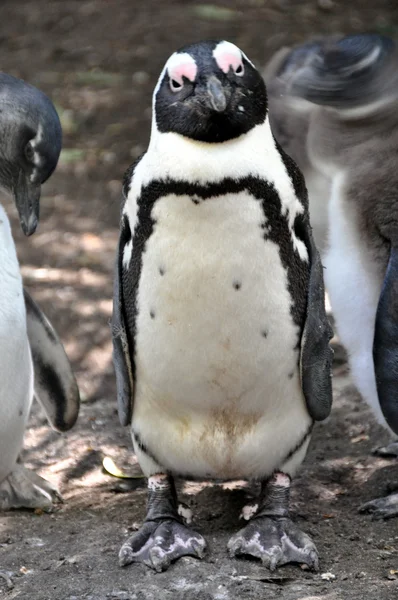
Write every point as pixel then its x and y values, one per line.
pixel 121 351
pixel 54 382
pixel 385 343
pixel 316 354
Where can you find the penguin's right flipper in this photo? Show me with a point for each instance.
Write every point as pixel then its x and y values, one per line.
pixel 54 382
pixel 385 343
pixel 121 350
pixel 316 354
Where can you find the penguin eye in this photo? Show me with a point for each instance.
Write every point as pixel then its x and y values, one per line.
pixel 175 86
pixel 29 152
pixel 239 70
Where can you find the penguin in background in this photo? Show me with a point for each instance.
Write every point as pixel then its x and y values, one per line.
pixel 32 358
pixel 221 341
pixel 352 138
pixel 290 118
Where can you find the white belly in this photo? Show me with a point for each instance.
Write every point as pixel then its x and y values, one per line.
pixel 318 187
pixel 217 388
pixel 16 371
pixel 354 283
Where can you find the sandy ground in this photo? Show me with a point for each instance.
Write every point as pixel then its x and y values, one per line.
pixel 99 61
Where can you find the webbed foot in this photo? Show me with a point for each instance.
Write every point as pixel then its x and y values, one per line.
pixel 23 488
pixel 382 508
pixel 270 534
pixel 163 538
pixel 8 579
pixel 389 450
pixel 275 541
pixel 158 543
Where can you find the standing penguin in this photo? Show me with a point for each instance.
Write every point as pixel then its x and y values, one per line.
pixel 219 328
pixel 353 139
pixel 32 359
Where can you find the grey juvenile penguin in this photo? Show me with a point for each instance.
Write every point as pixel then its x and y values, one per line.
pixel 290 118
pixel 221 342
pixel 352 140
pixel 32 358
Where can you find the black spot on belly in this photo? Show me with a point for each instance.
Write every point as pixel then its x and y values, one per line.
pixel 291 375
pixel 161 271
pixel 152 313
pixel 278 231
pixel 237 285
pixel 20 412
pixel 264 333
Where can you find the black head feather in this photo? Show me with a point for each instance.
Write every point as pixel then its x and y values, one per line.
pixel 215 105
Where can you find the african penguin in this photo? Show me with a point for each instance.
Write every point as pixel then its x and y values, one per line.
pixel 31 140
pixel 221 342
pixel 353 140
pixel 32 358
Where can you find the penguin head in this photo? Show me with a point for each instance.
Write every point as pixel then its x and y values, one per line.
pixel 30 145
pixel 209 92
pixel 343 72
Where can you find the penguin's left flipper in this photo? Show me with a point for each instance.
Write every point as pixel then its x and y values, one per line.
pixel 385 343
pixel 54 382
pixel 316 354
pixel 121 350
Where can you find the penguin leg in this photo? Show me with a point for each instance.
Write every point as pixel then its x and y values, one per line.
pixel 163 537
pixel 270 534
pixel 23 488
pixel 382 508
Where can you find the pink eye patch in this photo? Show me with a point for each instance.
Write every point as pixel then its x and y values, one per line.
pixel 182 65
pixel 227 55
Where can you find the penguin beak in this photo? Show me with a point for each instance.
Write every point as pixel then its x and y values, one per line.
pixel 27 200
pixel 216 94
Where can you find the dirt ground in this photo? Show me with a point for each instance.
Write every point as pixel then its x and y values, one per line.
pixel 99 61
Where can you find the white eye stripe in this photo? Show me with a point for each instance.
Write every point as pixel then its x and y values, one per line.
pixel 39 137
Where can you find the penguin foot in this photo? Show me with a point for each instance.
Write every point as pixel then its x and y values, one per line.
pixel 23 488
pixel 8 580
pixel 271 535
pixel 163 537
pixel 382 508
pixel 276 541
pixel 158 544
pixel 389 450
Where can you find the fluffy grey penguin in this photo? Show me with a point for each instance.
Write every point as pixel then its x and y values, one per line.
pixel 221 342
pixel 353 140
pixel 290 117
pixel 32 358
